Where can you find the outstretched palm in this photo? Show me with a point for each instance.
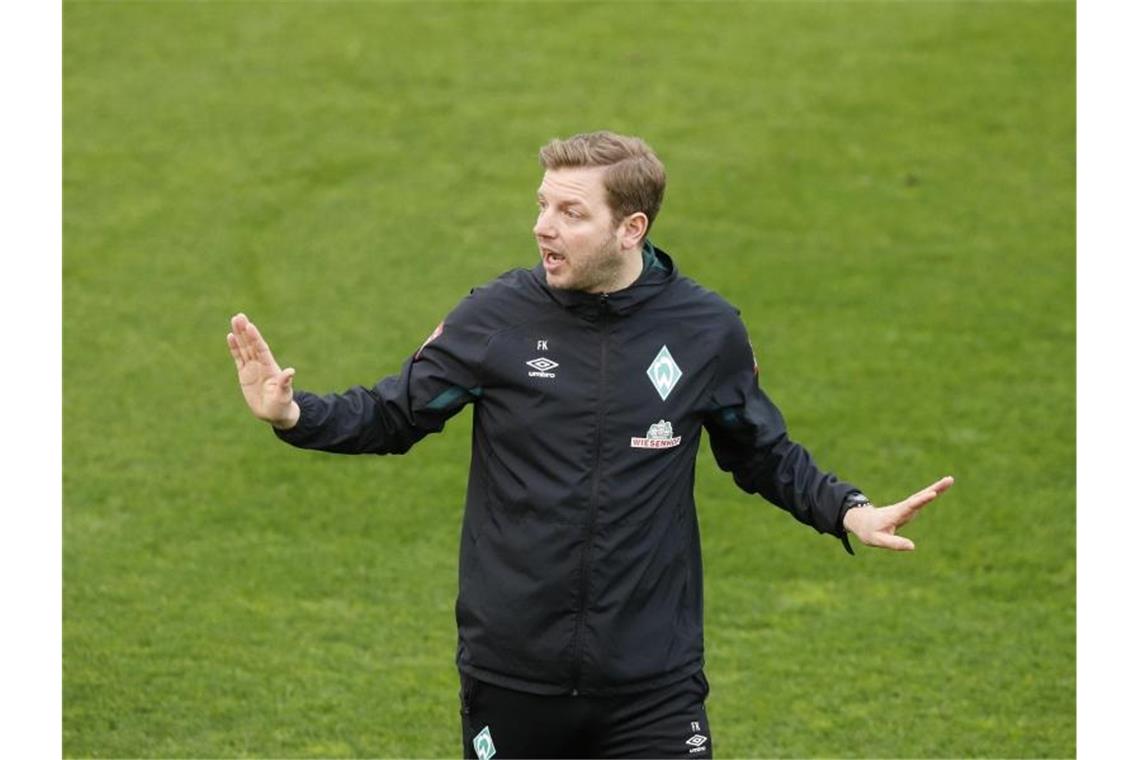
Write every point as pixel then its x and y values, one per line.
pixel 877 526
pixel 268 389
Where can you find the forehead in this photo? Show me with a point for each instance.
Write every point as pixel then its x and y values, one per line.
pixel 583 184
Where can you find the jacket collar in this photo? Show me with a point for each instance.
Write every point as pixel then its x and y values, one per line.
pixel 657 271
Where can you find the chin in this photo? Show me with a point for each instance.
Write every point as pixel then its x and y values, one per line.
pixel 559 282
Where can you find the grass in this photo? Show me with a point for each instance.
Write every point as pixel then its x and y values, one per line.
pixel 885 190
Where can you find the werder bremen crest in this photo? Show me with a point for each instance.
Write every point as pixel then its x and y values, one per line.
pixel 664 373
pixel 484 746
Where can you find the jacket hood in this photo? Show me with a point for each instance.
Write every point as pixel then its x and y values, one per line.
pixel 658 271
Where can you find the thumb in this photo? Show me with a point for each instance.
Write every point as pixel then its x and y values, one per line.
pixel 891 541
pixel 285 381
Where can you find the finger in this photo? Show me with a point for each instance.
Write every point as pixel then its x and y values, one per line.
pixel 920 499
pixel 260 348
pixel 941 485
pixel 892 542
pixel 240 324
pixel 286 382
pixel 898 515
pixel 933 490
pixel 235 351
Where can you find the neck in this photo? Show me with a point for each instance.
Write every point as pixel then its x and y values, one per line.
pixel 626 275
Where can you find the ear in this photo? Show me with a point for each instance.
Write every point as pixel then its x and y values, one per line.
pixel 632 230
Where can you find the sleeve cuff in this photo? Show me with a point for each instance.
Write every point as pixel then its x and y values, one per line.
pixel 301 430
pixel 852 500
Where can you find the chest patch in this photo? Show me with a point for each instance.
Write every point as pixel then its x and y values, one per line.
pixel 660 436
pixel 664 373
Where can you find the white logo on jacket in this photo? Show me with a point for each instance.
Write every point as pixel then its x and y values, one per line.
pixel 483 745
pixel 542 365
pixel 664 373
pixel 660 436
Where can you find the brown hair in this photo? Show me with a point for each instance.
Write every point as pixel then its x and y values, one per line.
pixel 634 178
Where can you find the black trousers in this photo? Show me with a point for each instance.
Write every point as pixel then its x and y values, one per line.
pixel 665 722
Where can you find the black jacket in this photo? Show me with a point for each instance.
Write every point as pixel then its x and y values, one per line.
pixel 580 557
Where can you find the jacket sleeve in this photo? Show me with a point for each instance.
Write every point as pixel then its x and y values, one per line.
pixel 388 418
pixel 750 439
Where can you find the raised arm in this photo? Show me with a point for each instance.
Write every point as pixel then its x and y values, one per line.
pixel 386 418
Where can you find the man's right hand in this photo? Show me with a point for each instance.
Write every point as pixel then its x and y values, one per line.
pixel 267 388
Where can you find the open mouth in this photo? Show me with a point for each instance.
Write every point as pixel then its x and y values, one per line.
pixel 551 258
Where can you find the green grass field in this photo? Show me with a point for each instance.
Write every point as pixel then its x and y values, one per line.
pixel 885 190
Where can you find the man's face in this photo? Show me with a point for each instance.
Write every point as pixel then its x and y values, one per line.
pixel 576 234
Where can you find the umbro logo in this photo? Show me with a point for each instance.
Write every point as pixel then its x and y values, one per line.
pixel 697 740
pixel 542 367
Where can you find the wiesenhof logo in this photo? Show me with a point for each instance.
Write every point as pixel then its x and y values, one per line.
pixel 660 436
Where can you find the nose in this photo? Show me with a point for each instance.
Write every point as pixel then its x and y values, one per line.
pixel 542 226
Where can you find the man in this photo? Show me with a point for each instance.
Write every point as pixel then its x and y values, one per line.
pixel 592 376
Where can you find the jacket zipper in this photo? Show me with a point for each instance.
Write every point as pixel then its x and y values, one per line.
pixel 587 549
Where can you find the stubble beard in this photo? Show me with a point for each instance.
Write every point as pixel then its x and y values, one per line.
pixel 597 272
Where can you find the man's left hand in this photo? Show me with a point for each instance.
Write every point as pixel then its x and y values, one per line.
pixel 876 526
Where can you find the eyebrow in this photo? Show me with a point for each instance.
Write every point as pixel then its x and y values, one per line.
pixel 567 202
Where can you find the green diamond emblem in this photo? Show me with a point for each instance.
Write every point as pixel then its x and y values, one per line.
pixel 664 373
pixel 484 747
